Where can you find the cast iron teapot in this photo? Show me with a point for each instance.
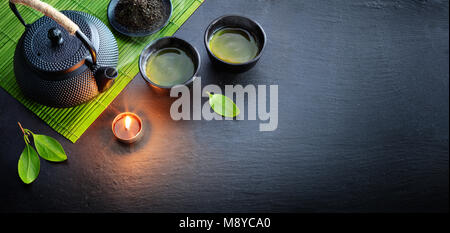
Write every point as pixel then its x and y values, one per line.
pixel 64 58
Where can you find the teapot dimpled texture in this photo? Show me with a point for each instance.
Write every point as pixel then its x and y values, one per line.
pixel 60 76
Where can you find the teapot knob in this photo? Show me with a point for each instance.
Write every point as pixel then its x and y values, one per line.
pixel 55 35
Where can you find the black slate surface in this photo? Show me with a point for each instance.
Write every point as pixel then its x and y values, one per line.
pixel 363 123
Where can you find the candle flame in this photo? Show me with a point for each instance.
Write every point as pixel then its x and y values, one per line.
pixel 127 122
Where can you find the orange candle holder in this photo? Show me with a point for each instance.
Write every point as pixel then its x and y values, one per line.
pixel 127 127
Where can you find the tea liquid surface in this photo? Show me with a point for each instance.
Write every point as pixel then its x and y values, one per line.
pixel 169 66
pixel 233 45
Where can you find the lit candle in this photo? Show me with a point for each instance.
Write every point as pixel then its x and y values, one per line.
pixel 127 122
pixel 127 127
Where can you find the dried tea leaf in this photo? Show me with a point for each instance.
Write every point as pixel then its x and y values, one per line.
pixel 139 15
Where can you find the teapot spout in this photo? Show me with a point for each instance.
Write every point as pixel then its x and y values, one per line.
pixel 105 77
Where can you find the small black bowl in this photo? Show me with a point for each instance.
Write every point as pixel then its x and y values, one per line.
pixel 167 4
pixel 169 42
pixel 235 21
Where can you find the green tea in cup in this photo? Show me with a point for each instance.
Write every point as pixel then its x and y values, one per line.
pixel 169 67
pixel 233 45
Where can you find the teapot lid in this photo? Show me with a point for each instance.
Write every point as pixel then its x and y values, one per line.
pixel 48 47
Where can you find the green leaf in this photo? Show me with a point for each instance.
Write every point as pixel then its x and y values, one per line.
pixel 48 148
pixel 29 164
pixel 223 105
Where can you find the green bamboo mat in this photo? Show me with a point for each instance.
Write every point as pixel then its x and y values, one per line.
pixel 73 122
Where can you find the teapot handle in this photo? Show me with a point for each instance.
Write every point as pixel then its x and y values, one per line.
pixel 59 17
pixel 51 12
